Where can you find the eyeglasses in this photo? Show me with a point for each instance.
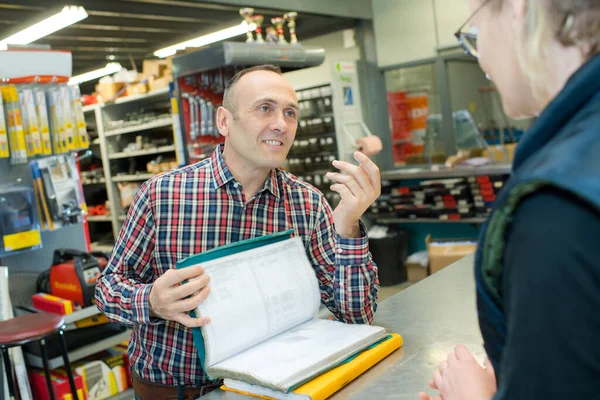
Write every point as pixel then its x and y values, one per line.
pixel 468 40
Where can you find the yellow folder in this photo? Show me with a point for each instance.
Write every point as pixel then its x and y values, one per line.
pixel 325 385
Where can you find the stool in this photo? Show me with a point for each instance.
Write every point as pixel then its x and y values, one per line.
pixel 36 327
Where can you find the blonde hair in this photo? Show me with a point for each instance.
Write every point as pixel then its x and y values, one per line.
pixel 570 22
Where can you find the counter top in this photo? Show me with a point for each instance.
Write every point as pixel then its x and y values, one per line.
pixel 432 316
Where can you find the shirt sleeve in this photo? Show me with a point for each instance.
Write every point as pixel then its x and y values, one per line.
pixel 124 286
pixel 551 299
pixel 346 272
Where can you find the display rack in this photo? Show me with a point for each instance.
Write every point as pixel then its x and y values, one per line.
pixel 315 146
pixel 133 132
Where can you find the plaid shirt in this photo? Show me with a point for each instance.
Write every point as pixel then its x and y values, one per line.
pixel 200 207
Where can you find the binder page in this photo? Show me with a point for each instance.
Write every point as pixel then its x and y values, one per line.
pixel 300 353
pixel 256 295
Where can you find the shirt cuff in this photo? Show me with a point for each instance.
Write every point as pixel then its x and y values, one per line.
pixel 352 251
pixel 140 306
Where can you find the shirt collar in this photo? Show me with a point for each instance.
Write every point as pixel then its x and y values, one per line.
pixel 222 174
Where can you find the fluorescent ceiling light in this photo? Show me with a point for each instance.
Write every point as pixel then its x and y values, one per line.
pixel 217 36
pixel 110 68
pixel 68 16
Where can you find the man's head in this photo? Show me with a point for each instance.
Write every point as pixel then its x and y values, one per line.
pixel 259 118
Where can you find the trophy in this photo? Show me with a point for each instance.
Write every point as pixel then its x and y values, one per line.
pixel 278 22
pixel 271 35
pixel 258 20
pixel 291 19
pixel 246 13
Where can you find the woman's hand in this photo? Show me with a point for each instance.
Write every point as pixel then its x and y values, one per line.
pixel 462 378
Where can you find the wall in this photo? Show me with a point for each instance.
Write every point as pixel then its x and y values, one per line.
pixel 409 30
pixel 334 51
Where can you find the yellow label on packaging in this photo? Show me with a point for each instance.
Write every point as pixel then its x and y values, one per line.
pixel 4 151
pixel 23 240
pixel 46 143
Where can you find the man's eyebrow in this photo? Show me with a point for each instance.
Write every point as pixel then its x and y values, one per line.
pixel 269 100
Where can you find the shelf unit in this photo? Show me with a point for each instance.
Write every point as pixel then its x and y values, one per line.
pixel 316 131
pixel 111 143
pixel 103 247
pixel 389 221
pixel 159 123
pixel 133 178
pixel 99 218
pixel 436 172
pixel 128 154
pixel 81 352
pixel 443 172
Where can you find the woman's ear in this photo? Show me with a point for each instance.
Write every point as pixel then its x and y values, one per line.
pixel 224 118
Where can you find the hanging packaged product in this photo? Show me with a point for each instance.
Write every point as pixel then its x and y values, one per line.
pixel 19 227
pixel 57 182
pixel 4 152
pixel 18 147
pixel 42 116
pixel 65 98
pixel 81 135
pixel 31 127
pixel 57 127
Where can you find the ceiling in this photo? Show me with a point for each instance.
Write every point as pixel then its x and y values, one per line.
pixel 131 30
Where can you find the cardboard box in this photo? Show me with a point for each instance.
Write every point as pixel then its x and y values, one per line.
pixel 496 153
pixel 60 384
pixel 137 88
pixel 159 83
pixel 155 68
pixel 443 252
pixel 103 375
pixel 416 272
pixel 109 91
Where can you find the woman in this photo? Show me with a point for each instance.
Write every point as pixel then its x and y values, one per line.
pixel 538 264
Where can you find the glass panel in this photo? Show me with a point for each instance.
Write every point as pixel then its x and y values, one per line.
pixel 473 94
pixel 413 95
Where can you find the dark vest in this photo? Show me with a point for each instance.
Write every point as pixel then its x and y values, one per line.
pixel 561 150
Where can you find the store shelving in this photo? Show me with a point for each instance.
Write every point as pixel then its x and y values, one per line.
pixel 475 221
pixel 81 352
pixel 159 123
pixel 138 97
pixel 117 130
pixel 99 218
pixel 443 172
pixel 315 145
pixel 133 178
pixel 128 154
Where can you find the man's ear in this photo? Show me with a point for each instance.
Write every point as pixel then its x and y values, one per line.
pixel 224 119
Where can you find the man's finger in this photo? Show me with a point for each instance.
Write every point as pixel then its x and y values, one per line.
pixel 191 287
pixel 432 384
pixel 176 276
pixel 370 167
pixel 349 181
pixel 185 319
pixel 357 172
pixel 194 301
pixel 343 190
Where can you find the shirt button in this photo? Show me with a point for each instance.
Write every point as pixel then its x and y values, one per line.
pixel 339 251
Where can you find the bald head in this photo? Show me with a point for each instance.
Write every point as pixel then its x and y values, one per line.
pixel 229 98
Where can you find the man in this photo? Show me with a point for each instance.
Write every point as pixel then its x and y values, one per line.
pixel 237 194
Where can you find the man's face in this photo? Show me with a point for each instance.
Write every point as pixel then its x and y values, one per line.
pixel 262 128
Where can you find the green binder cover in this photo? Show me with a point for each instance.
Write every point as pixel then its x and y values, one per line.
pixel 223 251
